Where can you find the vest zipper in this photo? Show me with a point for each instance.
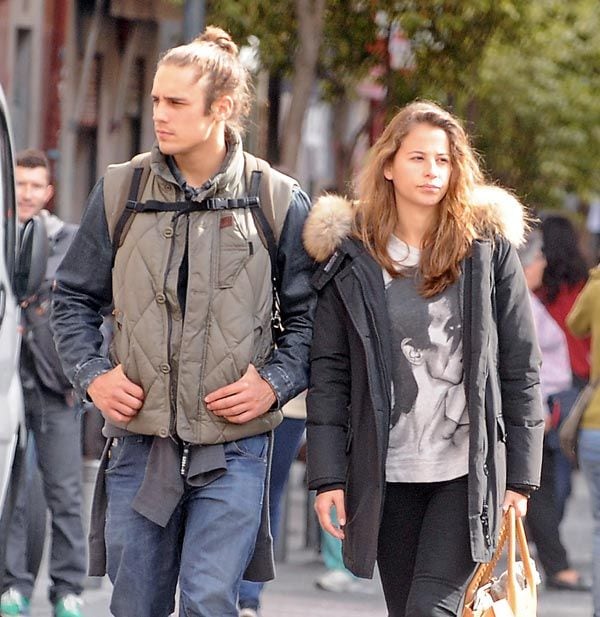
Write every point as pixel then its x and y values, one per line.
pixel 172 391
pixel 185 459
pixel 207 321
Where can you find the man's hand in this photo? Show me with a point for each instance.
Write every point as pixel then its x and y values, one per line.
pixel 243 400
pixel 518 501
pixel 323 504
pixel 117 397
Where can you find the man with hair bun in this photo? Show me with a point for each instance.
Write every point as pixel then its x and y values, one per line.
pixel 197 247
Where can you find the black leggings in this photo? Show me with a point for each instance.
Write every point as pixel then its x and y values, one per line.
pixel 424 553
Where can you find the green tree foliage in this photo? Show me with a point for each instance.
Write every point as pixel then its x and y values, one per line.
pixel 525 74
pixel 538 118
pixel 349 28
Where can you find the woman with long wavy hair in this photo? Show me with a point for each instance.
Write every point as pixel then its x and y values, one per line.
pixel 424 415
pixel 564 277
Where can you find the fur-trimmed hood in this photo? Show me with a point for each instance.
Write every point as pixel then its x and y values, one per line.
pixel 330 221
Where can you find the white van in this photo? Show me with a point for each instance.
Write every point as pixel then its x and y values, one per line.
pixel 11 403
pixel 22 266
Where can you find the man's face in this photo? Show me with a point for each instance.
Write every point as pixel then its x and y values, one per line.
pixel 34 191
pixel 181 122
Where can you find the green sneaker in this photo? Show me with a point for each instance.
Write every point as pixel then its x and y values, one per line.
pixel 13 602
pixel 68 606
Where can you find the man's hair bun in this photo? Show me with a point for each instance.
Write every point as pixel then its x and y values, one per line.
pixel 219 37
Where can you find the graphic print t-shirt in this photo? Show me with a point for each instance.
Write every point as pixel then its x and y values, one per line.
pixel 429 436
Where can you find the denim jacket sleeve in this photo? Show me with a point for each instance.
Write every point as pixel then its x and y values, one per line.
pixel 82 291
pixel 287 369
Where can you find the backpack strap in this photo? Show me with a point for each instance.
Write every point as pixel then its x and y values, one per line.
pixel 263 225
pixel 123 186
pixel 274 191
pixel 134 188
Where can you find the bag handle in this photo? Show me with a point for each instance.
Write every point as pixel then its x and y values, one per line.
pixel 512 530
pixel 516 535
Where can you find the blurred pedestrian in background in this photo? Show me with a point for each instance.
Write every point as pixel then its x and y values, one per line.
pixel 583 321
pixel 52 419
pixel 414 349
pixel 287 438
pixel 593 226
pixel 555 377
pixel 564 276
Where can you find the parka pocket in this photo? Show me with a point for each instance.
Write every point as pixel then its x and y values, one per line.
pixel 234 249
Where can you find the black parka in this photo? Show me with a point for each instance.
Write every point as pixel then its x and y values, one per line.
pixel 349 400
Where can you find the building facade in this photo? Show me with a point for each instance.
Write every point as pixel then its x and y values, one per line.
pixel 77 74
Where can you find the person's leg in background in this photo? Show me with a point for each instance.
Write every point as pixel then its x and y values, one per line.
pixel 543 524
pixel 563 470
pixel 17 581
pixel 337 578
pixel 286 443
pixel 589 460
pixel 58 442
pixel 560 404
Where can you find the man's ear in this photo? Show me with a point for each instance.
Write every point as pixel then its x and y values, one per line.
pixel 49 194
pixel 222 108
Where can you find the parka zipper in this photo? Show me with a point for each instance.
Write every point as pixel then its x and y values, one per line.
pixel 468 319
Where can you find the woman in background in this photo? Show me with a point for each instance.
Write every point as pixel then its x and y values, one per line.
pixel 564 276
pixel 584 320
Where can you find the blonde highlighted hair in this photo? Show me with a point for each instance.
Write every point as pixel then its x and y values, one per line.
pixel 216 59
pixel 450 238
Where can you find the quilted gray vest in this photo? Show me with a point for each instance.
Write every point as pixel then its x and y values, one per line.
pixel 229 299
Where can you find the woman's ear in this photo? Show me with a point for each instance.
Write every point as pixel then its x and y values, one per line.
pixel 387 171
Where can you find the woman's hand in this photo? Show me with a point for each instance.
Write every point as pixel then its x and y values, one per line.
pixel 518 501
pixel 323 504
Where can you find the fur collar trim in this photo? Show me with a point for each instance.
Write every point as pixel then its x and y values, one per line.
pixel 498 212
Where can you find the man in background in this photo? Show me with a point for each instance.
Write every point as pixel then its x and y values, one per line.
pixel 52 421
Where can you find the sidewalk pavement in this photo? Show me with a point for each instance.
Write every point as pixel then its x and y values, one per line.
pixel 293 593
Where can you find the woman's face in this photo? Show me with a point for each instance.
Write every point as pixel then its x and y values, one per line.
pixel 534 271
pixel 420 170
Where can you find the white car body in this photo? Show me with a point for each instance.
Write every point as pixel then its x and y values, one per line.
pixel 11 398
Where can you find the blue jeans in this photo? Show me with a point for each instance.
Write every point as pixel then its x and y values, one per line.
pixel 589 460
pixel 286 443
pixel 206 544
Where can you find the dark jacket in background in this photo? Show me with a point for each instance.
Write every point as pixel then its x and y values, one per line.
pixel 40 363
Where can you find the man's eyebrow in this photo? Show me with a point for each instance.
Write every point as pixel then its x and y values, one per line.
pixel 171 99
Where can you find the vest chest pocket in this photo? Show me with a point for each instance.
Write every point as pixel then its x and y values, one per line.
pixel 234 249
